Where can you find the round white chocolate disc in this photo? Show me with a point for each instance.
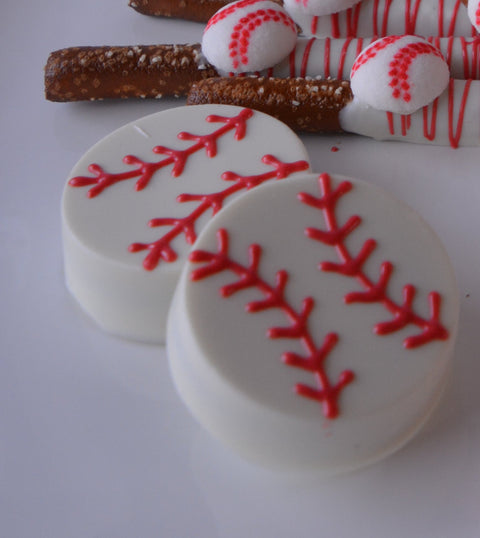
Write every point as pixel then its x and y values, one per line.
pixel 314 324
pixel 135 201
pixel 399 74
pixel 248 35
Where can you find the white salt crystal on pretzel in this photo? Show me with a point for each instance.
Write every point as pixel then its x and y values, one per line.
pixel 474 13
pixel 320 7
pixel 408 71
pixel 248 35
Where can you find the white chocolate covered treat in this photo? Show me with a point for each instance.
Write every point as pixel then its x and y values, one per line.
pixel 320 336
pixel 399 73
pixel 135 202
pixel 453 119
pixel 248 35
pixel 474 13
pixel 330 57
pixel 319 7
pixel 383 17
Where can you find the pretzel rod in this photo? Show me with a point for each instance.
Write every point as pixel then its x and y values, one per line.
pixel 304 105
pixel 328 106
pixel 89 73
pixel 154 71
pixel 194 10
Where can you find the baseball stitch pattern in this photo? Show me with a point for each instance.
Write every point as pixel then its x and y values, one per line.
pixel 324 391
pixel 352 266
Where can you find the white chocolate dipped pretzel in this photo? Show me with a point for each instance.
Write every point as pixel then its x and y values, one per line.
pixel 386 17
pixel 92 73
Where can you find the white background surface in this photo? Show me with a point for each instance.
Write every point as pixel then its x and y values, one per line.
pixel 93 439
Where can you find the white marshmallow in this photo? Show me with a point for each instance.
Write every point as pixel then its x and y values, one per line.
pixel 248 35
pixel 399 74
pixel 319 7
pixel 474 13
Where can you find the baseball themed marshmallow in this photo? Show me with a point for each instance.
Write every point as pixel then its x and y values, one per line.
pixel 399 74
pixel 248 35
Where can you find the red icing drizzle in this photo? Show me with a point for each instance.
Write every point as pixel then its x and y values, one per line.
pixel 380 28
pixel 274 298
pixel 162 250
pixel 352 266
pixel 242 31
pixel 455 118
pixel 178 158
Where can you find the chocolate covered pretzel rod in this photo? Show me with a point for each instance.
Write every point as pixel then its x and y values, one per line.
pixel 193 10
pixel 329 106
pixel 89 73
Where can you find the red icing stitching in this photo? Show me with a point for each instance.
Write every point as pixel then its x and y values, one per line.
pixel 177 158
pixel 162 250
pixel 324 392
pixel 227 11
pixel 242 31
pixel 352 266
pixel 372 51
pixel 455 119
pixel 399 65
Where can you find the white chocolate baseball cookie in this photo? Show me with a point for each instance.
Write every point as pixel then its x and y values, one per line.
pixel 474 13
pixel 135 202
pixel 399 73
pixel 320 7
pixel 248 35
pixel 320 336
pixel 380 18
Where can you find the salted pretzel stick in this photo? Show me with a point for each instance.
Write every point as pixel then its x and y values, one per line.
pixel 154 71
pixel 326 106
pixel 304 105
pixel 88 73
pixel 194 10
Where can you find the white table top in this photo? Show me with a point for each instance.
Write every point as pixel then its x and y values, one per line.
pixel 94 441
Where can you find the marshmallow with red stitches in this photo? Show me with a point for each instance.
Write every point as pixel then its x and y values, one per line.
pixel 319 8
pixel 248 35
pixel 474 13
pixel 399 74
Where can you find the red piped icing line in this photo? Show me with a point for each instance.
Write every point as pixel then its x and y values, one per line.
pixel 380 18
pixel 162 249
pixel 243 30
pixel 178 158
pixel 324 390
pixel 229 10
pixel 456 51
pixel 455 118
pixel 470 52
pixel 352 266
